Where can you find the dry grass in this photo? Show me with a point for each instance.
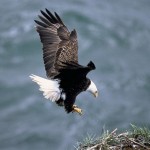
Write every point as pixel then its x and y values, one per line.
pixel 136 139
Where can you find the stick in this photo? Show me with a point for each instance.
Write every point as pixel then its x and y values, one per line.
pixel 136 143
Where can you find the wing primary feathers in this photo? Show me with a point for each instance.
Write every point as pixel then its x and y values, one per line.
pixel 46 16
pixel 57 16
pixel 41 24
pixel 44 20
pixel 52 16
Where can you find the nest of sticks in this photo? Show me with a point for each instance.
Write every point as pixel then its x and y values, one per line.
pixel 136 139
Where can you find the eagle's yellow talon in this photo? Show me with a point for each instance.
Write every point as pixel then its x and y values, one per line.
pixel 76 109
pixel 74 106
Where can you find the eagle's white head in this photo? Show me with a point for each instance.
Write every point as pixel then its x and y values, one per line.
pixel 93 89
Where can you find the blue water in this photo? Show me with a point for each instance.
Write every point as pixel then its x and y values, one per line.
pixel 114 34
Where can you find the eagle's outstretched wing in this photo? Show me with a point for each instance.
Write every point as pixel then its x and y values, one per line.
pixel 59 45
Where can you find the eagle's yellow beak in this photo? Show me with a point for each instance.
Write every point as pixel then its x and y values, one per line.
pixel 95 94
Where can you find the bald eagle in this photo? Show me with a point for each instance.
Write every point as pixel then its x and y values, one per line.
pixel 66 77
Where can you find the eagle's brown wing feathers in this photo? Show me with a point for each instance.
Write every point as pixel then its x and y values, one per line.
pixel 59 45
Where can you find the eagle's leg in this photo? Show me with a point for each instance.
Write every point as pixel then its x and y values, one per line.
pixel 60 102
pixel 76 109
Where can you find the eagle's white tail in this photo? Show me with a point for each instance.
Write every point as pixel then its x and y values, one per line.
pixel 50 88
